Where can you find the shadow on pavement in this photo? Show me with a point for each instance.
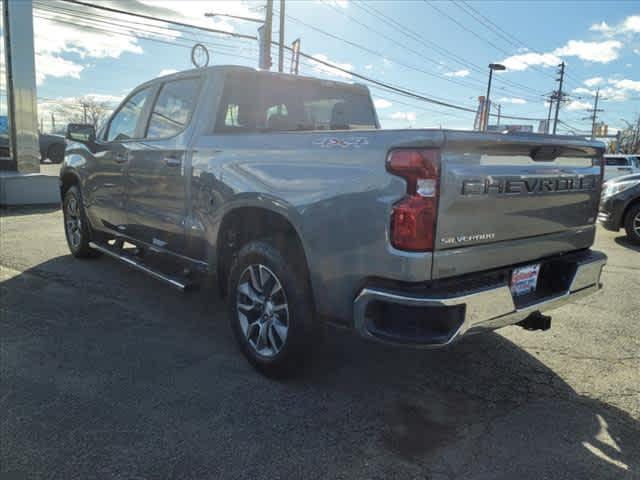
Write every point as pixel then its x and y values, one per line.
pixel 108 374
pixel 16 211
pixel 624 242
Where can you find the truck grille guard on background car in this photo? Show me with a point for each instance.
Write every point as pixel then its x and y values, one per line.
pixel 420 316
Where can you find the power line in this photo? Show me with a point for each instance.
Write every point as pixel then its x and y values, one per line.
pixel 406 31
pixel 498 30
pixel 302 54
pixel 158 19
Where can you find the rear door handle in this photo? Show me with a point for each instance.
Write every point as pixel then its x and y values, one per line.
pixel 172 161
pixel 120 157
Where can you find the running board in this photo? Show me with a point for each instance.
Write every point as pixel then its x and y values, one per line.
pixel 126 259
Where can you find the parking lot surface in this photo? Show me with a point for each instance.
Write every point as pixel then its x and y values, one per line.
pixel 106 373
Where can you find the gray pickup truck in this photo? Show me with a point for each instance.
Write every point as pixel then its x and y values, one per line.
pixel 285 189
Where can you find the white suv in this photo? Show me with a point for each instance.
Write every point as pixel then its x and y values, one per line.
pixel 620 164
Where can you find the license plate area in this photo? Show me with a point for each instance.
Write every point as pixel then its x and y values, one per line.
pixel 524 280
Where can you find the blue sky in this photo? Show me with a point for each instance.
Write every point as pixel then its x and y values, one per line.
pixel 440 49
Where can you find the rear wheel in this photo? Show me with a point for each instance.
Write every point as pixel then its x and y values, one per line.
pixel 632 224
pixel 56 153
pixel 76 227
pixel 271 314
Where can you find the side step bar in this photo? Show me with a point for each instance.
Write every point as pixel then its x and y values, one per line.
pixel 113 252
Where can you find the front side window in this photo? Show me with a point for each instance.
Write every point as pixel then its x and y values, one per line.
pixel 259 103
pixel 124 122
pixel 173 108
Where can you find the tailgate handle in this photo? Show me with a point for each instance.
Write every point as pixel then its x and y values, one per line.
pixel 172 161
pixel 545 153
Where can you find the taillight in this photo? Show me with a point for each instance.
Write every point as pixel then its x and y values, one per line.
pixel 413 219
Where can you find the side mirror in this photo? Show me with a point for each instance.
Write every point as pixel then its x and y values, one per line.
pixel 81 132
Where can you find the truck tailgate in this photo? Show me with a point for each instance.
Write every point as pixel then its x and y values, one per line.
pixel 508 199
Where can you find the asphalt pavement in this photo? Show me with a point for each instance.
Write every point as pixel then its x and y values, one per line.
pixel 108 374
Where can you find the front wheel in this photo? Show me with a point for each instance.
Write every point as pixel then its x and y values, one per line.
pixel 76 227
pixel 632 224
pixel 271 312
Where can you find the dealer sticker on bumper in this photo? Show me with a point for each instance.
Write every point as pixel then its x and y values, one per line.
pixel 524 279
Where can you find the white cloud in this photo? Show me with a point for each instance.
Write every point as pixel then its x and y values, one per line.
pixel 327 70
pixel 592 82
pixel 525 60
pixel 600 52
pixel 166 71
pixel 583 91
pixel 382 103
pixel 54 40
pixel 513 100
pixel 458 73
pixel 629 25
pixel 578 105
pixel 368 67
pixel 600 27
pixel 625 84
pixel 636 51
pixel 409 116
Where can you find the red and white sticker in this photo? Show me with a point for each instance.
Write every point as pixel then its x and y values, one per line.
pixel 524 279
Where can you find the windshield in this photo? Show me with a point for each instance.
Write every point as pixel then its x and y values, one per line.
pixel 254 102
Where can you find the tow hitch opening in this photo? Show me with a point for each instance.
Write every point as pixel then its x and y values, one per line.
pixel 536 321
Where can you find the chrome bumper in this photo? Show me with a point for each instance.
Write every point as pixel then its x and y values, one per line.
pixel 486 309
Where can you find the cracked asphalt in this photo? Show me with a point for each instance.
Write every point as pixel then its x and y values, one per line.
pixel 108 374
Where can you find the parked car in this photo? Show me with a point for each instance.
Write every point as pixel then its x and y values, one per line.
pixel 619 164
pixel 51 147
pixel 285 189
pixel 620 206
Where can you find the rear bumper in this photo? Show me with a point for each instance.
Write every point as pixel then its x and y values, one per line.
pixel 441 318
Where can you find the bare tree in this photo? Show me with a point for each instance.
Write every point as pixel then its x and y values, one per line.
pixel 82 110
pixel 93 111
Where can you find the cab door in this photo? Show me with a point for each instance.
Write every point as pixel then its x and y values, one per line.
pixel 105 190
pixel 159 168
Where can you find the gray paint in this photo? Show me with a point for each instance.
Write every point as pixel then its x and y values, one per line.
pixel 339 200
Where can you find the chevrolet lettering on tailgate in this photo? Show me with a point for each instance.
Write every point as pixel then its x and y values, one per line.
pixel 528 185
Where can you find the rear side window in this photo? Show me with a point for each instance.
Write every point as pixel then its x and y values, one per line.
pixel 616 161
pixel 124 122
pixel 173 108
pixel 259 103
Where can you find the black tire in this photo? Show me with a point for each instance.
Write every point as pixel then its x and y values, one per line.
pixel 290 356
pixel 56 153
pixel 632 224
pixel 76 226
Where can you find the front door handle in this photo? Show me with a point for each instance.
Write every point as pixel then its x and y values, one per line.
pixel 172 161
pixel 120 157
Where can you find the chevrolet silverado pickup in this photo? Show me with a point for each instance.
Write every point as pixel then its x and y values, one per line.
pixel 285 189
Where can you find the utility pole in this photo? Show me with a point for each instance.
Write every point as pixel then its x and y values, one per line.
pixel 281 39
pixel 594 115
pixel 268 33
pixel 84 113
pixel 551 97
pixel 559 97
pixel 53 123
pixel 499 109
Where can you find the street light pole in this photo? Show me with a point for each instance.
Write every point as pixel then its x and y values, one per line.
pixel 492 67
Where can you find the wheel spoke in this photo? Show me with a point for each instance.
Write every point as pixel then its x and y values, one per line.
pixel 255 278
pixel 247 290
pixel 280 329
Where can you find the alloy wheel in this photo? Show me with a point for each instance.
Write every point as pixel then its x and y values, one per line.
pixel 263 311
pixel 73 222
